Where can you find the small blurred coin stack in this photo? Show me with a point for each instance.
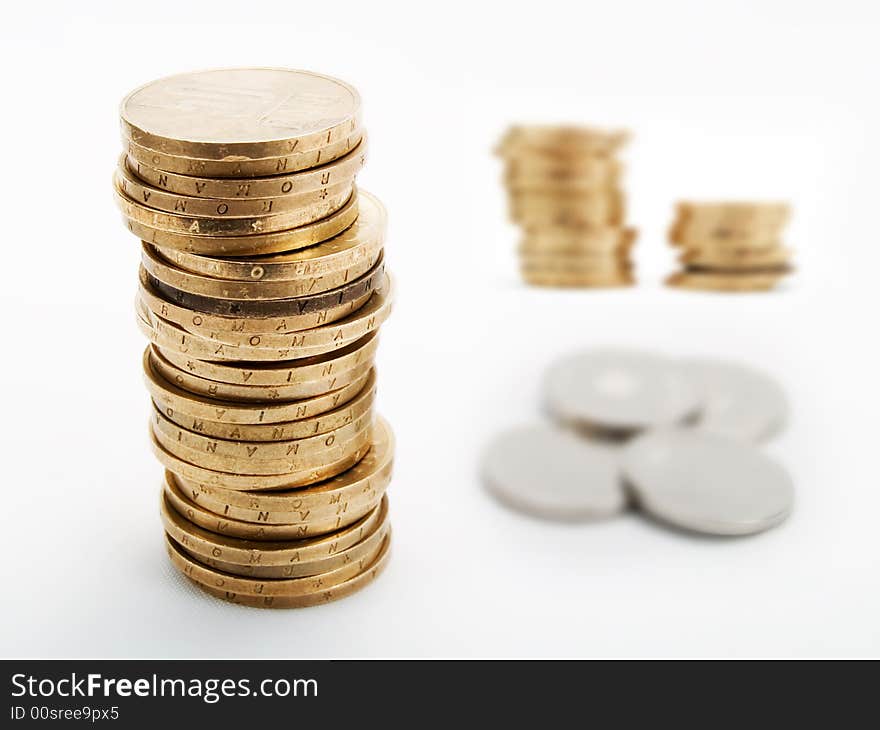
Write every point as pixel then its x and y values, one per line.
pixel 734 247
pixel 564 190
pixel 262 288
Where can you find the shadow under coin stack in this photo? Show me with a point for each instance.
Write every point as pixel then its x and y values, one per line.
pixel 563 184
pixel 732 247
pixel 262 288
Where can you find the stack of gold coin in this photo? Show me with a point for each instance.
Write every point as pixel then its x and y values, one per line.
pixel 262 289
pixel 730 246
pixel 564 190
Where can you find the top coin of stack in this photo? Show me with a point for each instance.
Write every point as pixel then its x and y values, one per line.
pixel 730 246
pixel 564 189
pixel 262 286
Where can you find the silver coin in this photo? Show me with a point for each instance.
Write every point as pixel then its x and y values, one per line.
pixel 548 472
pixel 706 483
pixel 739 403
pixel 620 391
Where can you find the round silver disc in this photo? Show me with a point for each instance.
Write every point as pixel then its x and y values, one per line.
pixel 620 391
pixel 707 483
pixel 739 403
pixel 548 472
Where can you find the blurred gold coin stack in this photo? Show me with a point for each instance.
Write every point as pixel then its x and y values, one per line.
pixel 563 185
pixel 730 246
pixel 262 289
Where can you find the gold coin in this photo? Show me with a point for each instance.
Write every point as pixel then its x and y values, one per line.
pixel 535 210
pixel 591 240
pixel 189 283
pixel 292 372
pixel 283 553
pixel 736 258
pixel 233 227
pixel 177 406
pixel 252 482
pixel 273 307
pixel 233 345
pixel 325 595
pixel 251 245
pixel 245 558
pixel 562 141
pixel 585 281
pixel 365 481
pixel 262 451
pixel 725 282
pixel 245 113
pixel 169 395
pixel 250 531
pixel 734 213
pixel 152 305
pixel 274 186
pixel 267 586
pixel 575 264
pixel 359 243
pixel 207 458
pixel 231 208
pixel 256 393
pixel 597 173
pixel 250 168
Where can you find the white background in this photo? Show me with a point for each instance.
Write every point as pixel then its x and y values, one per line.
pixel 741 99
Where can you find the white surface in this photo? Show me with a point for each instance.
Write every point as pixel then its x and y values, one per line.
pixel 738 99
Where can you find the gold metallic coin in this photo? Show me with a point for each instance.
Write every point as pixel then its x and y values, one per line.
pixel 250 245
pixel 217 226
pixel 575 265
pixel 244 113
pixel 572 281
pixel 250 531
pixel 366 481
pixel 207 458
pixel 324 595
pixel 251 482
pixel 249 209
pixel 562 141
pixel 725 282
pixel 245 558
pixel 256 393
pixel 190 283
pixel 734 213
pixel 166 394
pixel 268 586
pixel 357 244
pixel 220 346
pixel 537 210
pixel 176 406
pixel 259 451
pixel 574 240
pixel 597 173
pixel 304 371
pixel 271 307
pixel 736 258
pixel 153 305
pixel 284 553
pixel 274 186
pixel 248 168
pixel 233 345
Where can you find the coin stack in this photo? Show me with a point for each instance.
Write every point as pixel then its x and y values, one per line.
pixel 564 191
pixel 262 288
pixel 733 247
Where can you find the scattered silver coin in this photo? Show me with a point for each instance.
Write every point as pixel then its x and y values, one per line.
pixel 619 391
pixel 549 472
pixel 706 483
pixel 738 402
